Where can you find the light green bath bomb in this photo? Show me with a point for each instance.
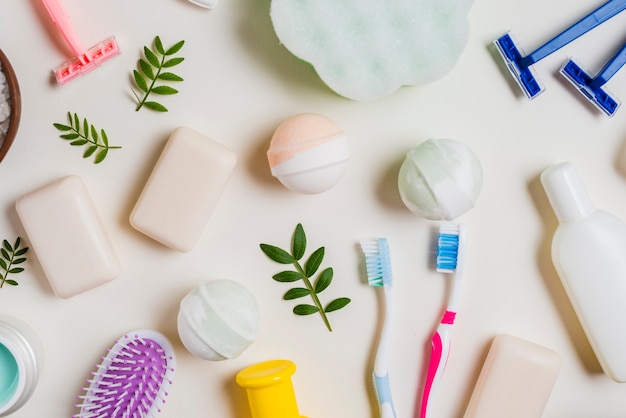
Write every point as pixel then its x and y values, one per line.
pixel 367 49
pixel 440 179
pixel 218 320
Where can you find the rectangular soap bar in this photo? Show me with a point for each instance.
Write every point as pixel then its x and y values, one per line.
pixel 67 235
pixel 516 380
pixel 183 189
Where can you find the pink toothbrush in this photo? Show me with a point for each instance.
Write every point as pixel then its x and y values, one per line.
pixel 84 59
pixel 450 259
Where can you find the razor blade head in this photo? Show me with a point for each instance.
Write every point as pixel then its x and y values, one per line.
pixel 598 96
pixel 523 75
pixel 87 61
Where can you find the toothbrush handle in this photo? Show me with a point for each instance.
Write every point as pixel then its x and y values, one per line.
pixel 440 350
pixel 383 393
pixel 380 373
pixel 62 21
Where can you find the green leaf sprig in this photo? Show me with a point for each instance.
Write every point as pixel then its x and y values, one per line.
pixel 305 273
pixel 150 70
pixel 11 255
pixel 85 134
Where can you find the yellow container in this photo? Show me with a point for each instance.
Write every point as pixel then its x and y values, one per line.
pixel 270 389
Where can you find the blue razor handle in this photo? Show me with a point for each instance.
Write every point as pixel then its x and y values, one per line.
pixel 584 25
pixel 520 65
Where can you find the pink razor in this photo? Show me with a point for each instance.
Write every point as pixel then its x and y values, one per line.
pixel 450 259
pixel 84 60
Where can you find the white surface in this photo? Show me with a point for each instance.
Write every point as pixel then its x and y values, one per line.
pixel 239 85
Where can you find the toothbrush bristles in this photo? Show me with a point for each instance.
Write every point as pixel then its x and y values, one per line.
pixel 448 248
pixel 377 262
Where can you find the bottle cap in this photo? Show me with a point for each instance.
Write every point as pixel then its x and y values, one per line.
pixel 566 192
pixel 270 389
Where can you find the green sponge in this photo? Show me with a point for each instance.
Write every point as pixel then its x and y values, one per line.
pixel 367 49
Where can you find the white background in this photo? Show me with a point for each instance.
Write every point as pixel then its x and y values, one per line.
pixel 239 85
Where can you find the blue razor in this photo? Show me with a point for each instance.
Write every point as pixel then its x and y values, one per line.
pixel 592 87
pixel 520 65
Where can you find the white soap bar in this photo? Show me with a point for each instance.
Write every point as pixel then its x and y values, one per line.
pixel 516 380
pixel 66 232
pixel 183 189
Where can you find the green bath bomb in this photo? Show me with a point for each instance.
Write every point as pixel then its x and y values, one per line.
pixel 367 49
pixel 218 320
pixel 440 179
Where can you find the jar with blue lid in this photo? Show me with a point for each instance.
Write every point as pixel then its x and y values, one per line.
pixel 21 361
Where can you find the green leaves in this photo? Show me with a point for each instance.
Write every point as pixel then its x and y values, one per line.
pixel 277 254
pixel 304 273
pixel 84 134
pixel 11 256
pixel 150 69
pixel 337 304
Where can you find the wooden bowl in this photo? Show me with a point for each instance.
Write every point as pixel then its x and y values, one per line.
pixel 15 101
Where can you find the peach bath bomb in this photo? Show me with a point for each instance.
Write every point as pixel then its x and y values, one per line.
pixel 218 320
pixel 367 49
pixel 440 179
pixel 308 153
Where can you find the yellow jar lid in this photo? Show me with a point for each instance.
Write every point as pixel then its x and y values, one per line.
pixel 266 373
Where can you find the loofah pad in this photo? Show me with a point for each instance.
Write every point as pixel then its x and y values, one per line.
pixel 367 49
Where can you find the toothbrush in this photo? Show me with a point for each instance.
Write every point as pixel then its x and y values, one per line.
pixel 450 259
pixel 592 87
pixel 378 265
pixel 84 59
pixel 521 66
pixel 132 379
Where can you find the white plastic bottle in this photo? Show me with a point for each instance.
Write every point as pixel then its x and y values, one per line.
pixel 589 254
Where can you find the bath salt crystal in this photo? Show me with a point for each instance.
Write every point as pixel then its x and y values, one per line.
pixel 5 107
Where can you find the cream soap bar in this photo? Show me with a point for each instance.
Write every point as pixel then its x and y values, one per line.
pixel 68 236
pixel 183 189
pixel 516 380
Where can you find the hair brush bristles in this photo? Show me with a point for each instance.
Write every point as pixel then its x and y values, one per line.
pixel 131 380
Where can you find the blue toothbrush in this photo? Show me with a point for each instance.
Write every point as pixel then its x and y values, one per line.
pixel 520 66
pixel 378 265
pixel 592 88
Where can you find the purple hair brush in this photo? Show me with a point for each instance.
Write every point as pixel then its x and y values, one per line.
pixel 132 379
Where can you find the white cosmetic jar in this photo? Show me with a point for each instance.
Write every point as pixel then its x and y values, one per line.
pixel 21 359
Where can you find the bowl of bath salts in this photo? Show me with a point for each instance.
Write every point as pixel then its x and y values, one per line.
pixel 10 105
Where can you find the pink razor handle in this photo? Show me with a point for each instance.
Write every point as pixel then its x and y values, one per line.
pixel 438 359
pixel 84 59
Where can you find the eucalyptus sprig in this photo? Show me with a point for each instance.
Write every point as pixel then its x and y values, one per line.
pixel 305 273
pixel 12 255
pixel 85 134
pixel 150 70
